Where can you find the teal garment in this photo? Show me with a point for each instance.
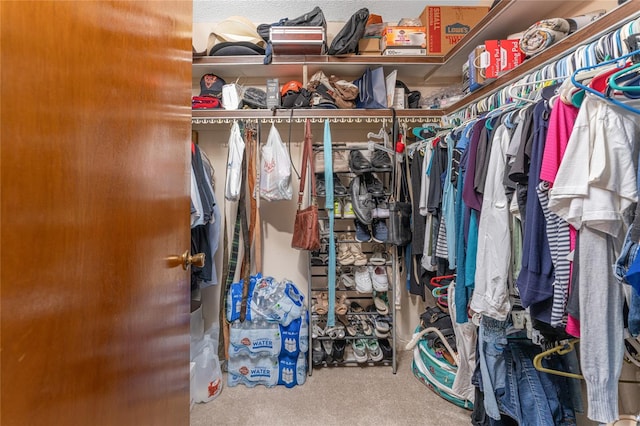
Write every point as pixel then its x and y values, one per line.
pixel 461 295
pixel 448 206
pixel 472 250
pixel 328 205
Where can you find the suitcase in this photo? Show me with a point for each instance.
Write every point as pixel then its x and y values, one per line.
pixel 298 40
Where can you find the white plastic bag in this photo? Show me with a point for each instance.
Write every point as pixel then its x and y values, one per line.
pixel 207 380
pixel 234 164
pixel 275 169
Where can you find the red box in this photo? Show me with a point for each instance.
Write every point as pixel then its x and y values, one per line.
pixel 502 55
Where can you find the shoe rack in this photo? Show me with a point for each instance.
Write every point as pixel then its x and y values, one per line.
pixel 364 331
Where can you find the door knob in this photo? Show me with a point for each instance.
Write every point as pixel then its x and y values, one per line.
pixel 195 260
pixel 186 260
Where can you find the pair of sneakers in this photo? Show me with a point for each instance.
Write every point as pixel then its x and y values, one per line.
pixel 343 209
pixel 366 350
pixel 379 231
pixel 370 278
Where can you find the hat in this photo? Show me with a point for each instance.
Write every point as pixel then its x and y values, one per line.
pixel 234 29
pixel 211 85
pixel 254 97
pixel 236 48
pixel 292 85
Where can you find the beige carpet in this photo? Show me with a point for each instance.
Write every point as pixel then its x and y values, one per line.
pixel 353 395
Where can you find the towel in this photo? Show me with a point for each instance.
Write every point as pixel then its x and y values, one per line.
pixel 543 34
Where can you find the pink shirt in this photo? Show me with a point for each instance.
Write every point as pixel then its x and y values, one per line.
pixel 561 123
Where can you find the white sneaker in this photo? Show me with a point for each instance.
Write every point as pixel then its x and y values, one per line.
pixel 362 277
pixel 379 279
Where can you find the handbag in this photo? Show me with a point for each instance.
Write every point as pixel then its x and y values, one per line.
pixel 400 211
pixel 306 232
pixel 372 89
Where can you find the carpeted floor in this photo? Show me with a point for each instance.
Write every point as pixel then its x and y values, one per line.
pixel 353 395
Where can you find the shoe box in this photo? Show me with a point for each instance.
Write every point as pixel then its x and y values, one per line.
pixel 446 25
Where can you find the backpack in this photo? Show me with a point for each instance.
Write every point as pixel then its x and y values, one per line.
pixel 346 41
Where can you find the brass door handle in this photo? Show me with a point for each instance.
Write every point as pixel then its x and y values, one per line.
pixel 195 260
pixel 186 260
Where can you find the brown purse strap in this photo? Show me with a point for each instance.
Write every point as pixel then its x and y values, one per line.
pixel 306 160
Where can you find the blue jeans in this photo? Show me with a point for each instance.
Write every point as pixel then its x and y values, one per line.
pixel 634 313
pixel 492 340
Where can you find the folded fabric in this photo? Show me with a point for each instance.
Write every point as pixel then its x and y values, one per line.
pixel 543 34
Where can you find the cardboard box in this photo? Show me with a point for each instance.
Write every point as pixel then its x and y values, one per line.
pixel 503 55
pixel 369 46
pixel 403 36
pixel 474 70
pixel 404 51
pixel 447 25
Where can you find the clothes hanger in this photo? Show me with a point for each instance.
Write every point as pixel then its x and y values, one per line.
pixel 561 349
pixel 588 89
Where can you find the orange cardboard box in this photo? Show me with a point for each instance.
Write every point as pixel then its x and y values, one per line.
pixel 403 37
pixel 447 25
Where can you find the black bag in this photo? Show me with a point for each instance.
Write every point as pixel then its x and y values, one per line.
pixel 400 209
pixel 346 41
pixel 372 89
pixel 315 18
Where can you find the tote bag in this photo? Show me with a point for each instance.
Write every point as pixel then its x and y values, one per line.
pixel 372 89
pixel 234 164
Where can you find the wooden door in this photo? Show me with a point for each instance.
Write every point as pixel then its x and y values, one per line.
pixel 94 165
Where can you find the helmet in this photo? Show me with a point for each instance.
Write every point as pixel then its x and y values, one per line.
pixel 293 86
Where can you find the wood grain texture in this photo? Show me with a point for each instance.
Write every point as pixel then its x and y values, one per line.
pixel 95 195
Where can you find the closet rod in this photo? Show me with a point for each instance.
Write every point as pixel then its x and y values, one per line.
pixel 514 75
pixel 301 120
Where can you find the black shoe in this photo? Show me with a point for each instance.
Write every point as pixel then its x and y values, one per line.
pixel 318 355
pixel 385 346
pixel 380 161
pixel 338 188
pixel 338 349
pixel 358 163
pixel 374 185
pixel 361 201
pixel 320 185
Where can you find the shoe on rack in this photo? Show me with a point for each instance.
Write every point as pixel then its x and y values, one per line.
pixel 362 232
pixel 359 347
pixel 380 303
pixel 380 161
pixel 338 349
pixel 338 188
pixel 380 230
pixel 337 209
pixel 320 185
pixel 360 259
pixel 344 257
pixel 347 281
pixel 385 347
pixel 379 256
pixel 361 200
pixel 381 211
pixel 373 184
pixel 358 163
pixel 318 354
pixel 347 209
pixel 373 348
pixel 363 280
pixel 379 279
